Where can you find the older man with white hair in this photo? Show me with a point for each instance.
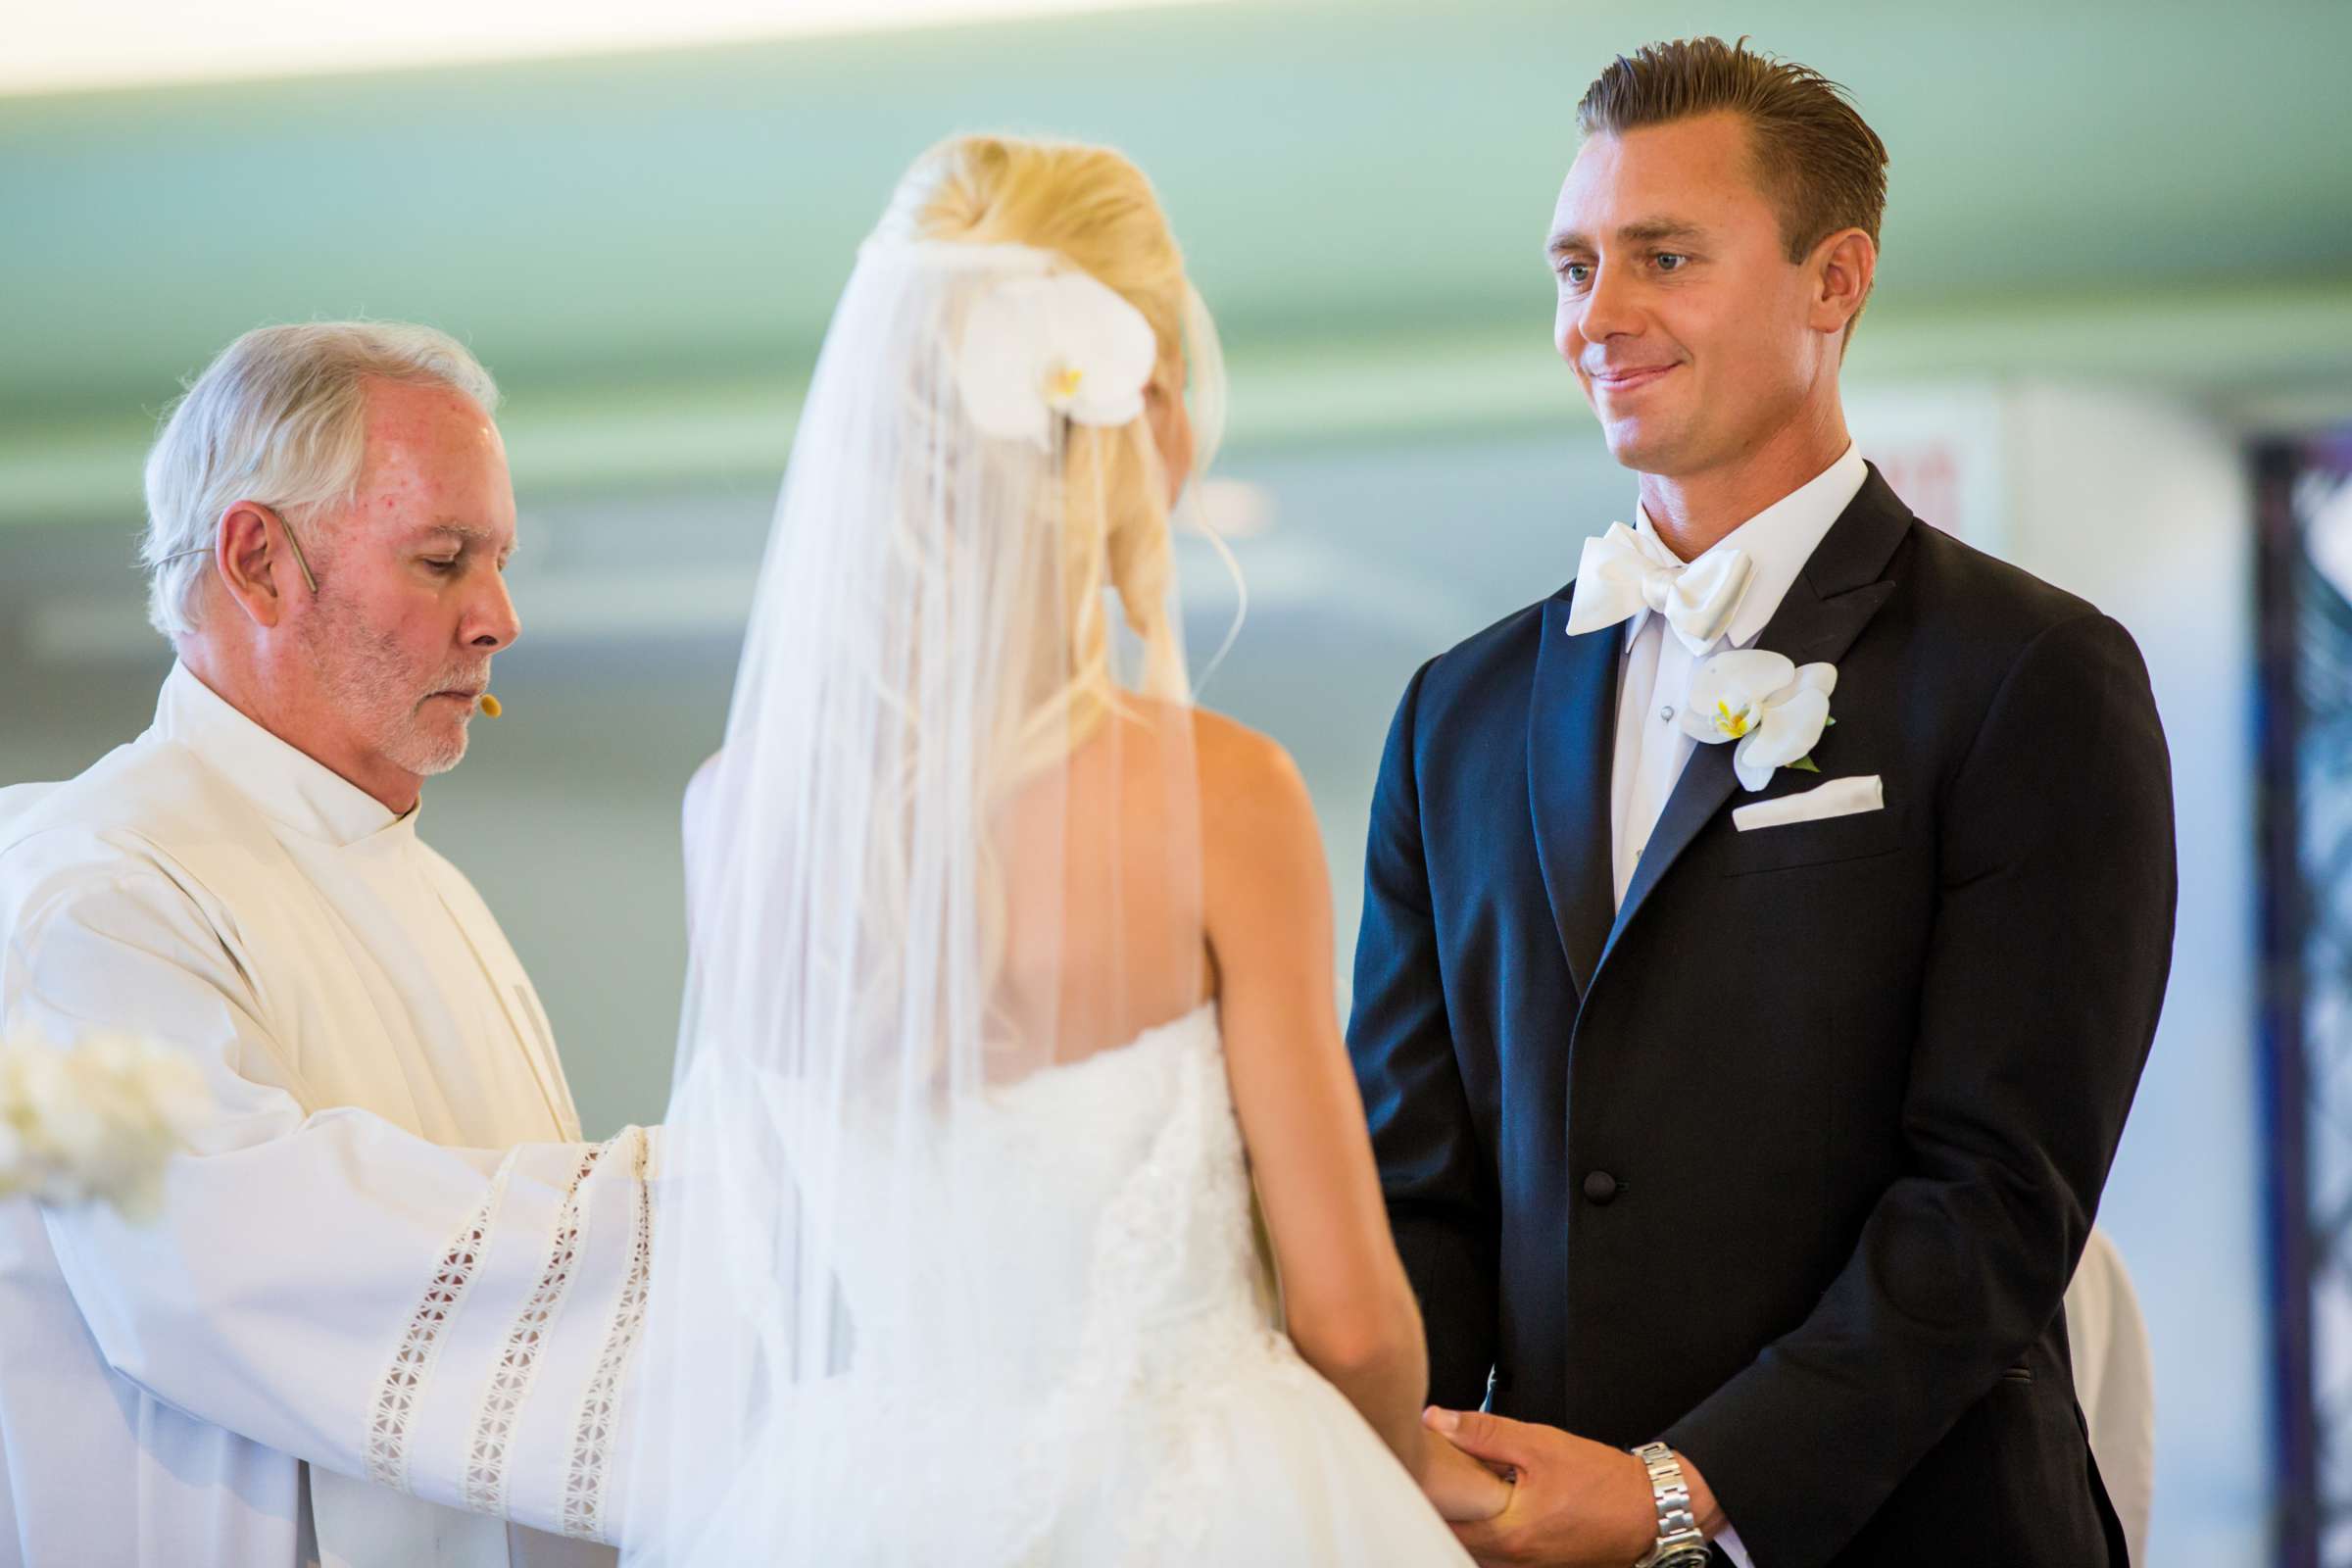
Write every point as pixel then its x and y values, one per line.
pixel 392 1300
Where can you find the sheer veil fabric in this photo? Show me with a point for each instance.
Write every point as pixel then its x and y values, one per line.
pixel 950 858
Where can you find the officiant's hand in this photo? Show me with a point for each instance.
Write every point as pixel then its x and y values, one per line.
pixel 1576 1503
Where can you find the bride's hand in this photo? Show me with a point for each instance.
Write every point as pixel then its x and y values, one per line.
pixel 1462 1488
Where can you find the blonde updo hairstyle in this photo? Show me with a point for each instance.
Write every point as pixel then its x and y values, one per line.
pixel 1095 209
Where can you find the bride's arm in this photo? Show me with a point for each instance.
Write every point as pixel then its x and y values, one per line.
pixel 1268 911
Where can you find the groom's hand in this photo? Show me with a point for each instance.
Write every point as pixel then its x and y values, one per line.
pixel 1577 1504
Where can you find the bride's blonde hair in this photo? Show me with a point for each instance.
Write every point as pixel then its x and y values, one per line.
pixel 1094 208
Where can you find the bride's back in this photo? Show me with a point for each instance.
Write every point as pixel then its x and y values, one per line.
pixel 1103 931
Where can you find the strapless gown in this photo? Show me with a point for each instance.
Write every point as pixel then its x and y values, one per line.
pixel 1136 1403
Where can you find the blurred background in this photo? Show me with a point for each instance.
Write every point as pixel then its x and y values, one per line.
pixel 2112 341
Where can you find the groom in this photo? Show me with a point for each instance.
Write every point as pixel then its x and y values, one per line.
pixel 1744 1083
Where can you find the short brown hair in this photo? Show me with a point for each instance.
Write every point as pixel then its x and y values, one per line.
pixel 1815 157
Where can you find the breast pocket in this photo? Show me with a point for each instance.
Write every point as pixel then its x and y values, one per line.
pixel 1817 842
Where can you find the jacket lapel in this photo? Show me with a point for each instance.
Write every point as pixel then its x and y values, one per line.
pixel 1841 587
pixel 1571 741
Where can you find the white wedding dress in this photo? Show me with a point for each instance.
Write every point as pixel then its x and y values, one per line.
pixel 1138 1405
pixel 937 1282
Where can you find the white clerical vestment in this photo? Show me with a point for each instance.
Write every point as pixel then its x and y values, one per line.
pixel 393 1301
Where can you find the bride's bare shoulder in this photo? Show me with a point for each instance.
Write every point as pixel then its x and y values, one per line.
pixel 1249 786
pixel 1265 884
pixel 1228 745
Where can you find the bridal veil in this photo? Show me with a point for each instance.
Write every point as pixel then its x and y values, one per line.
pixel 951 848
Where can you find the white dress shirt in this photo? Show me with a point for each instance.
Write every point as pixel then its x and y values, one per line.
pixel 1651 747
pixel 388 1278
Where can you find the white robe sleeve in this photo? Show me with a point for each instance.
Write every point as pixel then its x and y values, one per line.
pixel 453 1323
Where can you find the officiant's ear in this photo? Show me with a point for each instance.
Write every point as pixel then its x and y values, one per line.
pixel 258 563
pixel 1841 269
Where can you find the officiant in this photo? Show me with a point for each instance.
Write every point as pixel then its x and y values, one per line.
pixel 392 1298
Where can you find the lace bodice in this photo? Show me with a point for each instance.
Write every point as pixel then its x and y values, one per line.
pixel 1066 1354
pixel 1092 1214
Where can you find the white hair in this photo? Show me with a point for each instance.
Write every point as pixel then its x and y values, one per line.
pixel 279 417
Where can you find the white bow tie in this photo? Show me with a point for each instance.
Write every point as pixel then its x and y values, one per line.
pixel 1621 575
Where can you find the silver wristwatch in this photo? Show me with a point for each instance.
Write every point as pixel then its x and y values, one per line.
pixel 1679 1543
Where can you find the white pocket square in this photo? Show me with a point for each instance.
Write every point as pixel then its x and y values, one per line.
pixel 1840 797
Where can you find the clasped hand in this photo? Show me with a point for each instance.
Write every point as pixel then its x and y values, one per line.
pixel 1521 1493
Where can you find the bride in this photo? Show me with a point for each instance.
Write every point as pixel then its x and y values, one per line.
pixel 1012 979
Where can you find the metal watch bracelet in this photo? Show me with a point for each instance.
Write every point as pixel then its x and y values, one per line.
pixel 1679 1543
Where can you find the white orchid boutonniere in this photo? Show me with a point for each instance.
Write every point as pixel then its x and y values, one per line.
pixel 1062 344
pixel 1774 710
pixel 95 1123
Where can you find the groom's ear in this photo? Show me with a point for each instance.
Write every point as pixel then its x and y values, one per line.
pixel 1841 269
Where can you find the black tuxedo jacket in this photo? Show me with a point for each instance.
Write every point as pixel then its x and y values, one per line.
pixel 1788 1161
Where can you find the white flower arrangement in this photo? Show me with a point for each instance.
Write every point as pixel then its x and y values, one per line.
pixel 1764 701
pixel 95 1122
pixel 1058 344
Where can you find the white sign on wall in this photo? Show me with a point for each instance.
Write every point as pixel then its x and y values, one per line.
pixel 1940 447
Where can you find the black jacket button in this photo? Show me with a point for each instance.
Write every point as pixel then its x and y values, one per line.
pixel 1599 1186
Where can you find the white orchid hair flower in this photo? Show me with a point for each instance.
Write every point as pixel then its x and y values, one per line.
pixel 1064 344
pixel 1773 709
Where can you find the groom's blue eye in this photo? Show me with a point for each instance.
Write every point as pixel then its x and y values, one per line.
pixel 1671 261
pixel 1576 272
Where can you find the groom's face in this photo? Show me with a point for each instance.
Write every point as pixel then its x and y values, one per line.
pixel 1678 308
